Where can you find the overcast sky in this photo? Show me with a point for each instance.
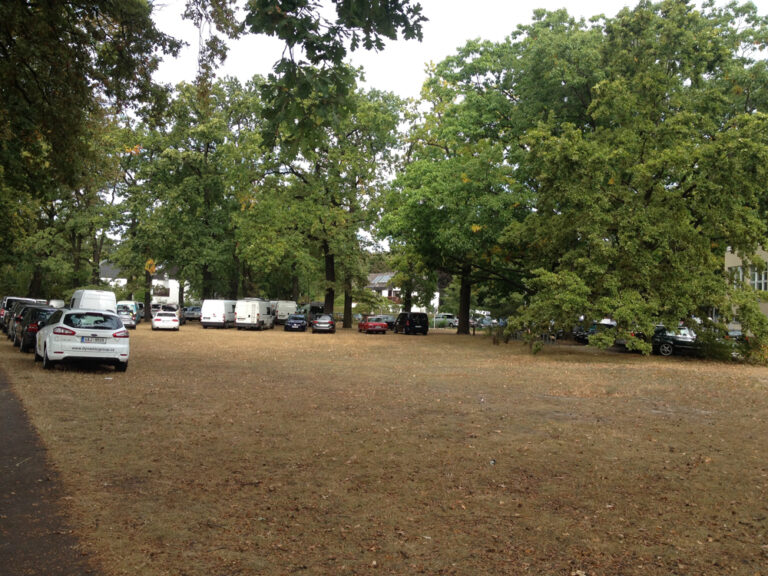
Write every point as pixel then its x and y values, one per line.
pixel 400 67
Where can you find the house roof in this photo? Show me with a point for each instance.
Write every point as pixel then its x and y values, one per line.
pixel 380 279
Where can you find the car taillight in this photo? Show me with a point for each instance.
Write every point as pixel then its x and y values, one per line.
pixel 120 334
pixel 32 328
pixel 61 331
pixel 175 320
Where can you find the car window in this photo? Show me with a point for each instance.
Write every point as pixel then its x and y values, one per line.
pixel 55 317
pixel 92 320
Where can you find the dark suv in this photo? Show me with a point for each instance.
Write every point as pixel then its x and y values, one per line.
pixel 411 323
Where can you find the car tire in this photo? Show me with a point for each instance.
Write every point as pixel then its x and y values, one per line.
pixel 22 346
pixel 666 349
pixel 121 366
pixel 48 364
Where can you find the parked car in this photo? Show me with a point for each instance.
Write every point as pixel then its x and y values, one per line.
pixel 127 316
pixel 7 304
pixel 93 335
pixel 165 320
pixel 390 320
pixel 323 323
pixel 373 325
pixel 28 325
pixel 295 323
pixel 176 310
pixel 14 315
pixel 192 312
pixel 667 342
pixel 582 334
pixel 446 319
pixel 412 323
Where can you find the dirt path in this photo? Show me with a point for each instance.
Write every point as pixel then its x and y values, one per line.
pixel 34 536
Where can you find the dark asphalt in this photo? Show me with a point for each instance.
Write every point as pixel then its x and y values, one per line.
pixel 35 538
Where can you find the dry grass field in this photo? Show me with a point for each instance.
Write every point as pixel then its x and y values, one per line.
pixel 267 453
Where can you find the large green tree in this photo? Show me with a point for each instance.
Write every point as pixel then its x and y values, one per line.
pixel 61 64
pixel 455 194
pixel 638 196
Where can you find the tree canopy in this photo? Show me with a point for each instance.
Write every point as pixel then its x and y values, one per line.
pixel 576 170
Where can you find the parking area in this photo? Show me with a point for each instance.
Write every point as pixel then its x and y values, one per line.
pixel 226 452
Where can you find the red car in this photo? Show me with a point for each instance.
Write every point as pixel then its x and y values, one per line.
pixel 373 324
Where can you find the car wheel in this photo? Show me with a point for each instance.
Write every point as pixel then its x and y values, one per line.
pixel 666 349
pixel 121 366
pixel 23 347
pixel 48 364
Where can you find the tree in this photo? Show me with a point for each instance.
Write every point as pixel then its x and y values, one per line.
pixel 452 200
pixel 317 203
pixel 666 169
pixel 311 88
pixel 61 65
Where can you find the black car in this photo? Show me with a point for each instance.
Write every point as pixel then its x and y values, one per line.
pixel 390 320
pixel 26 328
pixel 412 323
pixel 667 342
pixel 296 323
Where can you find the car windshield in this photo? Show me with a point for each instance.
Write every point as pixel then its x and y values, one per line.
pixel 375 319
pixel 92 320
pixel 324 318
pixel 295 317
pixel 165 315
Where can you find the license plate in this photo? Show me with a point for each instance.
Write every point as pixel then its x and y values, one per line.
pixel 91 340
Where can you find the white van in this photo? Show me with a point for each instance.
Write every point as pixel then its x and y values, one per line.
pixel 217 313
pixel 283 309
pixel 94 300
pixel 254 313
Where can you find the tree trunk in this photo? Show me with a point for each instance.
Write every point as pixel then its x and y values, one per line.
pixel 207 282
pixel 181 293
pixel 465 296
pixel 35 283
pixel 147 295
pixel 347 303
pixel 330 280
pixel 295 291
pixel 407 296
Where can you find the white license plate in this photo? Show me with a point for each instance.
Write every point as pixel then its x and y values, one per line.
pixel 91 340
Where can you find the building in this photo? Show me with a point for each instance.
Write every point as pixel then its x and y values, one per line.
pixel 756 277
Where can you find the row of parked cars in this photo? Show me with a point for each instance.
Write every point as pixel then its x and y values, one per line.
pixel 667 341
pixel 57 334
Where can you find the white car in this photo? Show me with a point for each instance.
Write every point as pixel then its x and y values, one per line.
pixel 165 321
pixel 94 335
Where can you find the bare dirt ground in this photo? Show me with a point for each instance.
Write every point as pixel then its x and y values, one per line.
pixel 249 453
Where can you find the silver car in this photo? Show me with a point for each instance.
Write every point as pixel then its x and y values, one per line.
pixel 93 335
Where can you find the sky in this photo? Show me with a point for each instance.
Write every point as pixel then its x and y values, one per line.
pixel 400 67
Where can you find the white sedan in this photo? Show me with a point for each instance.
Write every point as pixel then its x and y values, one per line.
pixel 165 321
pixel 93 335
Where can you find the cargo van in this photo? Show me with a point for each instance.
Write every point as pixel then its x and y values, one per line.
pixel 217 313
pixel 283 309
pixel 94 300
pixel 254 313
